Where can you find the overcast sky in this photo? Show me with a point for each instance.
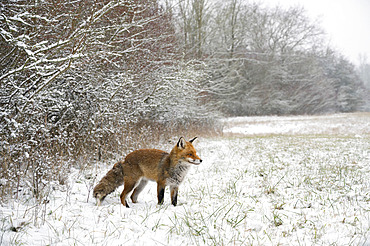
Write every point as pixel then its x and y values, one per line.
pixel 347 23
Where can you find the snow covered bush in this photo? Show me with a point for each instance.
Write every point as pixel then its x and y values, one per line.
pixel 82 81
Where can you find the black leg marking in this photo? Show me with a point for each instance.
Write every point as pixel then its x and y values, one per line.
pixel 174 200
pixel 127 206
pixel 160 196
pixel 174 192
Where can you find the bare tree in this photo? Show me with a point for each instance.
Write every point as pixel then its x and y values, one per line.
pixel 364 70
pixel 193 19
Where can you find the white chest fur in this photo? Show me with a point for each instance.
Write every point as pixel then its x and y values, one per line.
pixel 177 174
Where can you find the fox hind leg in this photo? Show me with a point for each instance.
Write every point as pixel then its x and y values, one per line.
pixel 138 189
pixel 129 185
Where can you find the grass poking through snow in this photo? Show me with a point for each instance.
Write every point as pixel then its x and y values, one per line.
pixel 257 190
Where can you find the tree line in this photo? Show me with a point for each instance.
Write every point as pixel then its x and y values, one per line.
pixel 267 61
pixel 83 80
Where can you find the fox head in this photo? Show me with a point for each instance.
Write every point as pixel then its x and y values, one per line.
pixel 185 152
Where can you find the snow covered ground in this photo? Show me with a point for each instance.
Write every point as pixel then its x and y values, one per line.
pixel 341 124
pixel 267 181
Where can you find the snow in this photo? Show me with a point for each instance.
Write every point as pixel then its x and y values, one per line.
pixel 301 180
pixel 330 124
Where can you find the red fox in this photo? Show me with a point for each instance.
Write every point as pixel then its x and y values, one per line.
pixel 149 164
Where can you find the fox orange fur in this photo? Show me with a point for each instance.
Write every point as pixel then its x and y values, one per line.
pixel 167 169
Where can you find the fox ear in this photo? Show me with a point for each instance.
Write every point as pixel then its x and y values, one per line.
pixel 192 140
pixel 181 143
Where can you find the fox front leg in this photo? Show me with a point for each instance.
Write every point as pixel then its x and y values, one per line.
pixel 174 192
pixel 160 192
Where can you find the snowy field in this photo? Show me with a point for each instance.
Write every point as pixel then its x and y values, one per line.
pixel 336 124
pixel 268 181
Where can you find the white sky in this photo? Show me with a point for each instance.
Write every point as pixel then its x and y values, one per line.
pixel 347 23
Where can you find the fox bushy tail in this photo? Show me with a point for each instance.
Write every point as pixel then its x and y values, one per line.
pixel 109 183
